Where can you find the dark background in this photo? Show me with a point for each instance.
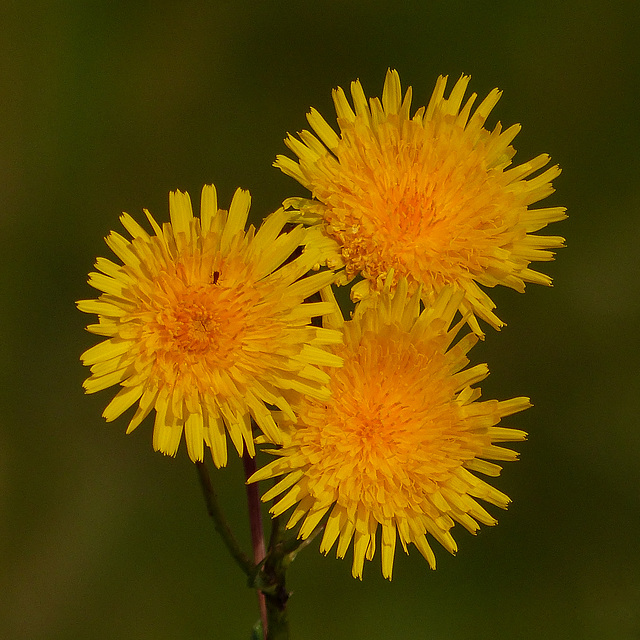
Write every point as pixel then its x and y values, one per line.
pixel 106 106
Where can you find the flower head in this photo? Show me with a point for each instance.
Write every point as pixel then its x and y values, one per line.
pixel 430 195
pixel 206 325
pixel 395 445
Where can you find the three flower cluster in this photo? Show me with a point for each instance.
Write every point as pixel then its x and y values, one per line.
pixel 375 421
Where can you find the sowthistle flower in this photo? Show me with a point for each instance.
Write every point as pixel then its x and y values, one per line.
pixel 207 325
pixel 377 421
pixel 395 446
pixel 430 195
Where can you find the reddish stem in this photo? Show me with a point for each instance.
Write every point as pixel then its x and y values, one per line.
pixel 257 531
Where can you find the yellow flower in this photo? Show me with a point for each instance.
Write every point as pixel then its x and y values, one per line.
pixel 205 326
pixel 396 444
pixel 430 196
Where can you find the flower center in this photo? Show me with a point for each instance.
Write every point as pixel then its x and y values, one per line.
pixel 420 201
pixel 190 328
pixel 390 426
pixel 199 325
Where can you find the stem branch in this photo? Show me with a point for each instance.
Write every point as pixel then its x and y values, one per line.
pixel 220 523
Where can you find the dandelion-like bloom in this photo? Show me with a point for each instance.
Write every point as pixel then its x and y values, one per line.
pixel 396 443
pixel 429 195
pixel 205 326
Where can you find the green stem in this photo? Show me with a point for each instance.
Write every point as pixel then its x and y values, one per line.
pixel 271 578
pixel 220 522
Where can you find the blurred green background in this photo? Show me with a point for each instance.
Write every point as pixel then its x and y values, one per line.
pixel 106 106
